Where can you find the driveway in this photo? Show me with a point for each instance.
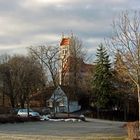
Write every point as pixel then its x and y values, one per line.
pixel 91 128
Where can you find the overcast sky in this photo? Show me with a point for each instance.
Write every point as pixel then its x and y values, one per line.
pixel 35 22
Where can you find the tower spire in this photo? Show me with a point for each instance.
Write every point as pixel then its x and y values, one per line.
pixel 62 35
pixel 71 33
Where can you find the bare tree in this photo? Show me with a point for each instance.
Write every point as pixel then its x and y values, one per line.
pixel 21 77
pixel 49 58
pixel 3 59
pixel 126 41
pixel 9 81
pixel 123 86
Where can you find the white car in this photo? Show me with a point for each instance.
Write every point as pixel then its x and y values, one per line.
pixel 24 113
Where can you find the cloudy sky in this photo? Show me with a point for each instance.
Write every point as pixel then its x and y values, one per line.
pixel 35 22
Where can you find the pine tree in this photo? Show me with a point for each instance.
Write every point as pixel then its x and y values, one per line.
pixel 102 81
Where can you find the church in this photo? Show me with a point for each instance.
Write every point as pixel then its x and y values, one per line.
pixel 74 71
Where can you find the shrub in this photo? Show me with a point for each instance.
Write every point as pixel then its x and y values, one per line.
pixel 132 130
pixel 16 119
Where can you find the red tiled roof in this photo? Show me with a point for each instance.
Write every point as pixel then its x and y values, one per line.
pixel 83 67
pixel 65 41
pixel 88 67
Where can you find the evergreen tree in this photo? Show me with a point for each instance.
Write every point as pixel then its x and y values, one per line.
pixel 102 78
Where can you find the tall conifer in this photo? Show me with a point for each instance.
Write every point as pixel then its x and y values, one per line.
pixel 102 81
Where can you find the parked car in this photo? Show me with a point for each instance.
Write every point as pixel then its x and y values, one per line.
pixel 24 113
pixel 14 111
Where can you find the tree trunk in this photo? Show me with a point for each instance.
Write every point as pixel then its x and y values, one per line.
pixel 22 101
pixel 125 112
pixel 68 108
pixel 28 106
pixel 98 112
pixel 54 106
pixel 3 99
pixel 22 104
pixel 12 100
pixel 138 88
pixel 139 112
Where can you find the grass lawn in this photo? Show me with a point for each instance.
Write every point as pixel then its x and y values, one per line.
pixel 44 137
pixel 93 129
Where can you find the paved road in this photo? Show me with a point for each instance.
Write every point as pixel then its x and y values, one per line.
pixel 93 127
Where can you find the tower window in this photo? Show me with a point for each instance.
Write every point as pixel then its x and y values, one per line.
pixel 64 52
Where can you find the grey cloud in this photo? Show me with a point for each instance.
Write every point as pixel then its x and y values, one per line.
pixel 8 7
pixel 87 19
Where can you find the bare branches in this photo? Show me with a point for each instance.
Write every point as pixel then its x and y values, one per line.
pixel 76 48
pixel 21 76
pixel 49 57
pixel 126 39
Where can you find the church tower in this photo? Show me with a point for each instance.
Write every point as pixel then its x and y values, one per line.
pixel 64 54
pixel 65 47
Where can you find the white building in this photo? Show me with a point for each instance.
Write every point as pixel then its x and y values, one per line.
pixel 60 99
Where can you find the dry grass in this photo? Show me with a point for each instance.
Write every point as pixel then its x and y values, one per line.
pixel 132 130
pixel 41 137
